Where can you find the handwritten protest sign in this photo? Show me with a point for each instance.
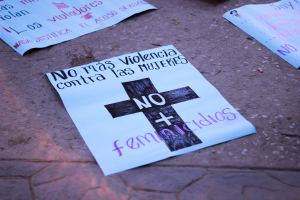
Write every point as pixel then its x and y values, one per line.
pixel 275 25
pixel 27 24
pixel 143 107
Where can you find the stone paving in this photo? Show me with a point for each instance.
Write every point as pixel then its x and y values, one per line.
pixel 42 155
pixel 42 180
pixel 49 180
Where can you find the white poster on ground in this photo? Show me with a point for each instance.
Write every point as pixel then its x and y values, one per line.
pixel 28 24
pixel 275 25
pixel 146 106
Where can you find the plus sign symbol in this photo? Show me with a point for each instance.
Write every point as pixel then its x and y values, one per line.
pixel 157 108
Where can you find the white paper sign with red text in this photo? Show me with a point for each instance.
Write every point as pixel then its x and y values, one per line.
pixel 28 24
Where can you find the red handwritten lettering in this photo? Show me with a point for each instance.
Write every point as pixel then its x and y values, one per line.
pixel 28 1
pixel 125 7
pixel 288 33
pixel 18 44
pixel 75 11
pixel 106 17
pixel 53 34
pixel 289 23
pixel 267 16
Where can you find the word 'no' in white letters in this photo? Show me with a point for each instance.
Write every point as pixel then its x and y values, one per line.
pixel 147 104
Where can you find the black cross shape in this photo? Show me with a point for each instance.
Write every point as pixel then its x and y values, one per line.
pixel 158 111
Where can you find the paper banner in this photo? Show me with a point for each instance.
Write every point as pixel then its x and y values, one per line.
pixel 275 25
pixel 29 24
pixel 143 107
